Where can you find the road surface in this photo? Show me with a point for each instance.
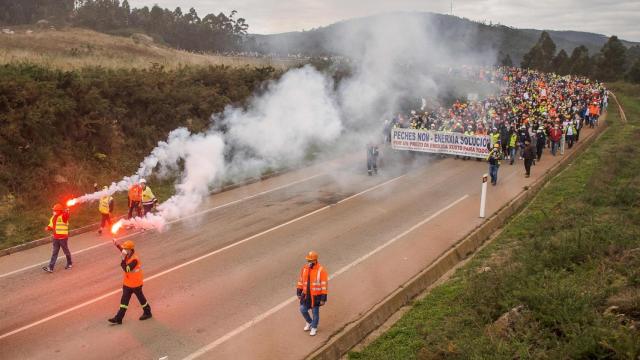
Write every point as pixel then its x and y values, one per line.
pixel 221 283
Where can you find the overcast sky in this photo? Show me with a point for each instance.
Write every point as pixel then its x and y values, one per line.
pixel 609 17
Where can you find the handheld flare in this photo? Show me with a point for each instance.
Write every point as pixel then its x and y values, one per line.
pixel 115 227
pixel 72 202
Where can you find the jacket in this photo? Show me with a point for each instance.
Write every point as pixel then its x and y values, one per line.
pixel 312 285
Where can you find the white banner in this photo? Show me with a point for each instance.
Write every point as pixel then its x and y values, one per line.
pixel 440 142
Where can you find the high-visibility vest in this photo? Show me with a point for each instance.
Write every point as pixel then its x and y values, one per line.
pixel 319 281
pixel 133 276
pixel 103 206
pixel 135 193
pixel 60 227
pixel 147 196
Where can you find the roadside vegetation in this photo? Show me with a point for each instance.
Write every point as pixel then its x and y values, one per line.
pixel 71 48
pixel 561 281
pixel 61 131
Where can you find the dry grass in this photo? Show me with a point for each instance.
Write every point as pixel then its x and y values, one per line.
pixel 72 48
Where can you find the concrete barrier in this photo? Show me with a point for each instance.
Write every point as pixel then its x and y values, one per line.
pixel 352 334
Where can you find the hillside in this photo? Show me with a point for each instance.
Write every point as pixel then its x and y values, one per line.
pixel 70 48
pixel 451 29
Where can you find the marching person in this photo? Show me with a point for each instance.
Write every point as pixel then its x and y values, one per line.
pixel 540 141
pixel 529 155
pixel 105 207
pixel 495 155
pixel 59 226
pixel 132 282
pixel 312 291
pixel 372 159
pixel 148 199
pixel 135 199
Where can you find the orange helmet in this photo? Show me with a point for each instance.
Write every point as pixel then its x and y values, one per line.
pixel 129 245
pixel 58 207
pixel 312 256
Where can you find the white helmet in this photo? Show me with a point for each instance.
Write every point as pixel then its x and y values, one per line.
pixel 143 181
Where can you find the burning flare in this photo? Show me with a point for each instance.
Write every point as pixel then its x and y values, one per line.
pixel 72 202
pixel 116 227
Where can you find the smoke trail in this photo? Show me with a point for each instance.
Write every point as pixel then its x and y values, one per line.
pixel 393 57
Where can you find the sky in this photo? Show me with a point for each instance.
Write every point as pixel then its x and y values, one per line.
pixel 608 17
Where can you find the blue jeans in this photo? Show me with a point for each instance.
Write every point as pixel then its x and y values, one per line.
pixel 57 244
pixel 554 147
pixel 493 172
pixel 512 154
pixel 304 309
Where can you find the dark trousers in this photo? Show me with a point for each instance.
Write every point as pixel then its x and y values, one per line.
pixel 147 208
pixel 527 166
pixel 126 296
pixel 134 205
pixel 570 141
pixel 57 244
pixel 105 220
pixel 372 165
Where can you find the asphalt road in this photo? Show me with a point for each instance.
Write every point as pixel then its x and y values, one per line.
pixel 221 283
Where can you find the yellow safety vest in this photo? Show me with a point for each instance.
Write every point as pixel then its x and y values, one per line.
pixel 103 206
pixel 61 228
pixel 147 196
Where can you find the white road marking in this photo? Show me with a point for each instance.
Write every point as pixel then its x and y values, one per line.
pixel 170 222
pixel 177 267
pixel 290 300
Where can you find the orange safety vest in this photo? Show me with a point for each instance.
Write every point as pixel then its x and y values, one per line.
pixel 135 192
pixel 133 277
pixel 319 281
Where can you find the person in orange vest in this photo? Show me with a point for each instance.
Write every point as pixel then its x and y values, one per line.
pixel 312 291
pixel 59 226
pixel 132 282
pixel 135 200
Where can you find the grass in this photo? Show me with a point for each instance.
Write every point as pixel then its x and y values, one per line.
pixel 571 261
pixel 72 48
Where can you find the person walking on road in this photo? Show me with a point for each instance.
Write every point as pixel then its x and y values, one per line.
pixel 105 207
pixel 495 155
pixel 540 141
pixel 529 155
pixel 135 199
pixel 312 291
pixel 59 226
pixel 132 282
pixel 372 159
pixel 555 135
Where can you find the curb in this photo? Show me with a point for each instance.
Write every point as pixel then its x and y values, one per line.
pixel 352 334
pixel 94 227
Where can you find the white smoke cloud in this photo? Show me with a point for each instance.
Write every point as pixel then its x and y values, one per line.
pixel 393 58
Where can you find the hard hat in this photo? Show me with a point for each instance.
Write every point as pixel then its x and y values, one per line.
pixel 143 181
pixel 58 207
pixel 312 256
pixel 129 245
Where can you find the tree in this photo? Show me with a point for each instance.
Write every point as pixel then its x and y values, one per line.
pixel 560 63
pixel 610 67
pixel 634 73
pixel 580 63
pixel 541 54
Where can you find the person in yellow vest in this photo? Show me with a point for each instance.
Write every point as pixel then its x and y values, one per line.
pixel 105 207
pixel 59 226
pixel 148 199
pixel 132 282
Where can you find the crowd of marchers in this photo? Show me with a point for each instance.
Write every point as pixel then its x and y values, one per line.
pixel 533 111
